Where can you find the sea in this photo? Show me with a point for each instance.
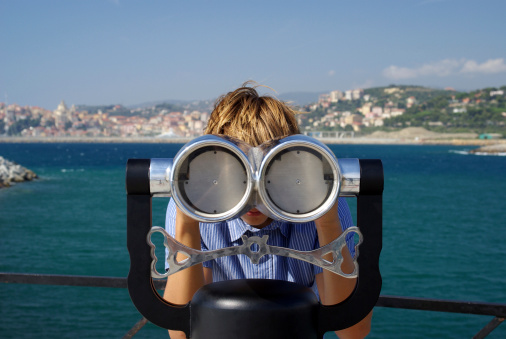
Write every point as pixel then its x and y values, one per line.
pixel 444 237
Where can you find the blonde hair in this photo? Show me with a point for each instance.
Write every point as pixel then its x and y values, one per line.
pixel 255 119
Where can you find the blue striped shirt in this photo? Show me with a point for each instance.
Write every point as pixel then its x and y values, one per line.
pixel 297 236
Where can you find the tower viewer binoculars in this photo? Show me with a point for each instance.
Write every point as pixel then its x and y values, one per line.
pixel 215 178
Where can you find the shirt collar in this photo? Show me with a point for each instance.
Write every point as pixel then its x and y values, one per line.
pixel 238 227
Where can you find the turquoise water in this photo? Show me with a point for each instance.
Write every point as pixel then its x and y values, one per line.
pixel 444 237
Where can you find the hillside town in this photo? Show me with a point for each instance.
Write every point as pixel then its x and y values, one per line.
pixel 71 122
pixel 351 110
pixel 359 109
pixel 367 114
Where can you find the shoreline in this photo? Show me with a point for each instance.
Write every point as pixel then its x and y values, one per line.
pixel 357 141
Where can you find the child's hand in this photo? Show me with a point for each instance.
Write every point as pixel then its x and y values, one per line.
pixel 329 221
pixel 185 220
pixel 187 230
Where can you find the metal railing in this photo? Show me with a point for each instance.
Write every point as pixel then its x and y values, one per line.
pixel 498 311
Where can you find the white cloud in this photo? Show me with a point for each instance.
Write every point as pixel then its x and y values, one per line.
pixel 489 66
pixel 444 68
pixel 440 68
pixel 331 73
pixel 394 72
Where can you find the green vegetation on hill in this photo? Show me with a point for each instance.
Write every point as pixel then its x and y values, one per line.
pixel 95 109
pixel 381 96
pixel 169 107
pixel 438 110
pixel 116 110
pixel 20 125
pixel 399 94
pixel 475 111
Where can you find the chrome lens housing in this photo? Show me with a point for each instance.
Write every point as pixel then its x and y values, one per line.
pixel 212 179
pixel 299 179
pixel 215 178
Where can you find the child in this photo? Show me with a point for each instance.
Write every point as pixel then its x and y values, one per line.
pixel 255 119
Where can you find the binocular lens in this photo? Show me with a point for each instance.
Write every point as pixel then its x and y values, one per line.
pixel 212 180
pixel 298 180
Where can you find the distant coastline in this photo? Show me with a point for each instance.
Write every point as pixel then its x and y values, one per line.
pixel 100 140
pixel 366 140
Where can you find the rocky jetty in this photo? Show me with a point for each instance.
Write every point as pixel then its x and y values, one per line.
pixel 10 173
pixel 498 149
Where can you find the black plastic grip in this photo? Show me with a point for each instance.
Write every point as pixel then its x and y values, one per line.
pixel 137 176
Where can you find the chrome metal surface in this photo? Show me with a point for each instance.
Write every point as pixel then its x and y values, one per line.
pixel 350 177
pixel 159 171
pixel 299 179
pixel 215 178
pixel 194 257
pixel 295 181
pixel 212 179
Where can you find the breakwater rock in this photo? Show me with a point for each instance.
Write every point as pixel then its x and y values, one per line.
pixel 10 173
pixel 498 149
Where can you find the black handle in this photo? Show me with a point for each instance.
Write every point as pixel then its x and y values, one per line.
pixel 369 219
pixel 140 284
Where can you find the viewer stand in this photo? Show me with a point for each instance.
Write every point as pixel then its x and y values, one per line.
pixel 253 308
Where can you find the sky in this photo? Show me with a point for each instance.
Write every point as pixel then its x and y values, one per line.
pixel 102 52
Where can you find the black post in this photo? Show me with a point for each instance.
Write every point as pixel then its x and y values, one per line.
pixel 140 284
pixel 368 287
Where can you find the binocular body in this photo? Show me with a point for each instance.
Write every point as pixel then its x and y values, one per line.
pixel 225 309
pixel 215 178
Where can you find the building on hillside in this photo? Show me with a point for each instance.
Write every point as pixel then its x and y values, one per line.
pixel 365 109
pixel 356 94
pixel 354 120
pixel 459 110
pixel 335 96
pixel 494 93
pixel 377 111
pixel 411 101
pixel 324 99
pixel 372 121
pixel 391 90
pixel 204 116
pixel 397 112
pixel 62 115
